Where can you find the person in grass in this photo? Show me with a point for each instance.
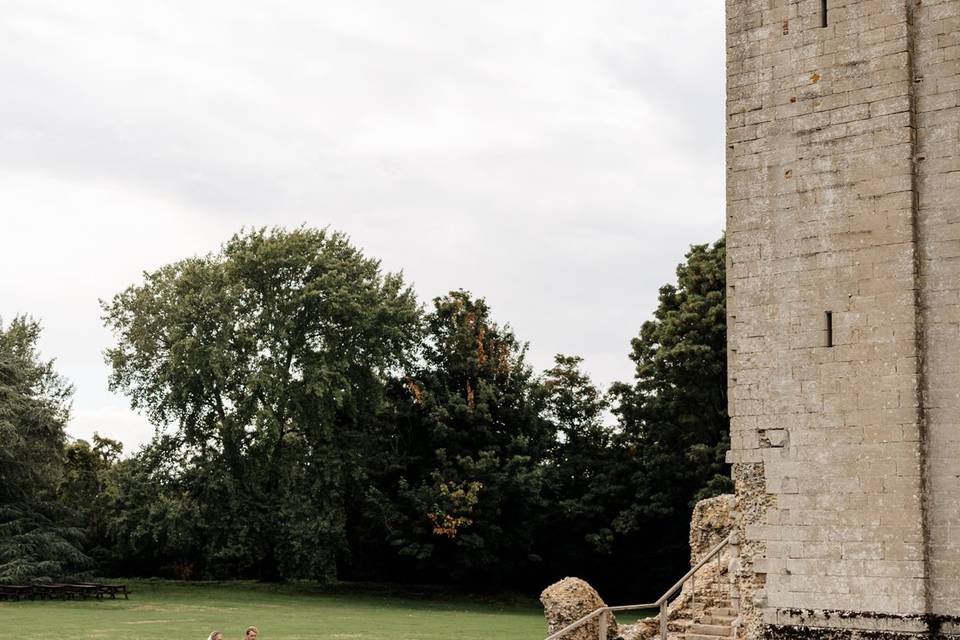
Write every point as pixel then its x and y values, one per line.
pixel 251 633
pixel 215 635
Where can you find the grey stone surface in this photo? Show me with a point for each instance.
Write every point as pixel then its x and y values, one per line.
pixel 843 196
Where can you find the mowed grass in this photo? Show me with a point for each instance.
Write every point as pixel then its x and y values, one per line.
pixel 177 611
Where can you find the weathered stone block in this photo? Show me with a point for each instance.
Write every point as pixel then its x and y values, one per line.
pixel 567 601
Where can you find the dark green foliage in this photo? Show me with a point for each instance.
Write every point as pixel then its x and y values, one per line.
pixel 674 425
pixel 268 358
pixel 156 523
pixel 37 541
pixel 677 408
pixel 88 489
pixel 459 488
pixel 577 533
pixel 320 422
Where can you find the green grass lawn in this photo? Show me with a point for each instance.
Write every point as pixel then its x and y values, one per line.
pixel 175 611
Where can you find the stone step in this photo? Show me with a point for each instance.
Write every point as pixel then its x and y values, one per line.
pixel 717 599
pixel 708 629
pixel 708 605
pixel 720 599
pixel 720 610
pixel 715 619
pixel 701 636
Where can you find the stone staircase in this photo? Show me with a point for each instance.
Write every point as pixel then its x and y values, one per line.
pixel 699 606
pixel 712 623
pixel 702 611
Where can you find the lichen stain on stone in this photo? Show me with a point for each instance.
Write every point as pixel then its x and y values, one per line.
pixel 814 78
pixel 933 622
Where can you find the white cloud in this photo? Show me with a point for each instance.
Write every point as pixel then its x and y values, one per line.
pixel 556 157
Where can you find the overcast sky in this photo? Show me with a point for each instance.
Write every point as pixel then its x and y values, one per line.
pixel 555 157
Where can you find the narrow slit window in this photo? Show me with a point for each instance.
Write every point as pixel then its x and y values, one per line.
pixel 829 328
pixel 823 13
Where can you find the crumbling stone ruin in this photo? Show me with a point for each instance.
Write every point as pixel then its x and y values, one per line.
pixel 701 611
pixel 567 601
pixel 843 273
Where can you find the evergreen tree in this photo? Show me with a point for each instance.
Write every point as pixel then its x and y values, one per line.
pixel 674 428
pixel 459 494
pixel 37 542
pixel 577 534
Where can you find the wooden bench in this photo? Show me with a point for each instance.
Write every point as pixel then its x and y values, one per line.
pixel 16 592
pixel 61 591
pixel 83 590
pixel 49 591
pixel 113 590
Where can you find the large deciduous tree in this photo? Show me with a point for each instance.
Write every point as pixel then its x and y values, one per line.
pixel 36 540
pixel 267 359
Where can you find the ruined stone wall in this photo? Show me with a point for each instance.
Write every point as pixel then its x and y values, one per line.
pixel 846 479
pixel 937 87
pixel 710 524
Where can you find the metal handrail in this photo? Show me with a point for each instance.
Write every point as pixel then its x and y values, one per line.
pixel 710 554
pixel 661 602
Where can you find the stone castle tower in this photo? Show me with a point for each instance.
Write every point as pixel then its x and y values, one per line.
pixel 843 236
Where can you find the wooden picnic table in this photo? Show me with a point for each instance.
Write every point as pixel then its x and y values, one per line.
pixel 16 592
pixel 83 590
pixel 63 591
pixel 113 590
pixel 49 591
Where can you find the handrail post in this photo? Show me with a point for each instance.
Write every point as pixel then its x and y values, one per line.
pixel 663 619
pixel 603 625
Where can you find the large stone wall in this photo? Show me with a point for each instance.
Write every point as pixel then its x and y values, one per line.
pixel 842 199
pixel 937 85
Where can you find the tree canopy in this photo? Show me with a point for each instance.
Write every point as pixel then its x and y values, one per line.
pixel 674 428
pixel 37 542
pixel 268 358
pixel 677 407
pixel 314 421
pixel 460 483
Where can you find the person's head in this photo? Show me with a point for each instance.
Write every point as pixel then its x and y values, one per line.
pixel 215 635
pixel 251 633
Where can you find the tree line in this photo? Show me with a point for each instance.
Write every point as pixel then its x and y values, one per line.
pixel 318 423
